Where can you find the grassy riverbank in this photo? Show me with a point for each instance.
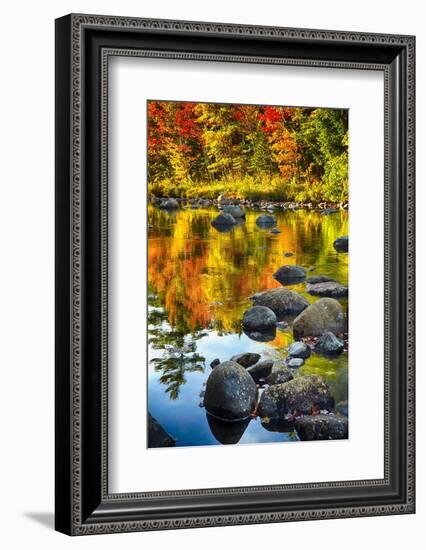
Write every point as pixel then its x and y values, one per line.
pixel 265 188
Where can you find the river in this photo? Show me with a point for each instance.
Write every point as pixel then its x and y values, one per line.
pixel 199 284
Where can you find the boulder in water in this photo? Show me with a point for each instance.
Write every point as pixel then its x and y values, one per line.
pixel 329 344
pixel 330 289
pixel 273 403
pixel 322 427
pixel 231 393
pixel 261 369
pixel 304 392
pixel 259 318
pixel 266 221
pixel 299 395
pixel 170 204
pixel 299 349
pixel 282 301
pixel 279 376
pixel 294 362
pixel 324 315
pixel 341 244
pixel 290 274
pixel 223 220
pixel 246 359
pixel 235 211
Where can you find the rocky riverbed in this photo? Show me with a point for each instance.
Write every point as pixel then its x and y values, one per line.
pixel 247 322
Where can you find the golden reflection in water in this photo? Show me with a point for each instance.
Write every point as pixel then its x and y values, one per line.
pixel 203 278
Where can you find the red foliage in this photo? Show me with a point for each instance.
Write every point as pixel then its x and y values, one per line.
pixel 185 121
pixel 270 118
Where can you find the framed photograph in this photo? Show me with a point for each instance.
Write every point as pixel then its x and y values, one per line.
pixel 234 274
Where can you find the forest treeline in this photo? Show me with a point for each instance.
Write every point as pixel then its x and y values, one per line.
pixel 250 152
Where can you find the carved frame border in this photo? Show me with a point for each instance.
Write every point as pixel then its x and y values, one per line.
pixel 78 23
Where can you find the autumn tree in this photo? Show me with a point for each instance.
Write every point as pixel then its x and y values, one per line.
pixel 292 153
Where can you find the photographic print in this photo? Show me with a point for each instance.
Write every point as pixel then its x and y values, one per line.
pixel 248 240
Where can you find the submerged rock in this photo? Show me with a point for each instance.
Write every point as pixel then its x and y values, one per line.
pixel 231 393
pixel 246 359
pixel 324 315
pixel 259 318
pixel 299 349
pixel 322 427
pixel 341 244
pixel 288 254
pixel 170 204
pixel 282 301
pixel 290 274
pixel 261 370
pixel 223 220
pixel 328 211
pixel 279 376
pixel 331 289
pixel 234 210
pixel 227 433
pixel 319 279
pixel 157 435
pixel 329 344
pixel 265 220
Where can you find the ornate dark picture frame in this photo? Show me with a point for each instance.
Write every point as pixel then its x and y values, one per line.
pixel 84 44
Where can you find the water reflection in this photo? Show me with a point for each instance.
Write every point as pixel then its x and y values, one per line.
pixel 200 281
pixel 262 336
pixel 278 425
pixel 227 433
pixel 179 356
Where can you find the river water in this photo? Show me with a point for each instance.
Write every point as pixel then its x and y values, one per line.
pixel 199 284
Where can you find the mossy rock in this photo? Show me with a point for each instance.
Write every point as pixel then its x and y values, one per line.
pixel 322 427
pixel 231 392
pixel 325 315
pixel 303 392
pixel 282 301
pixel 298 396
